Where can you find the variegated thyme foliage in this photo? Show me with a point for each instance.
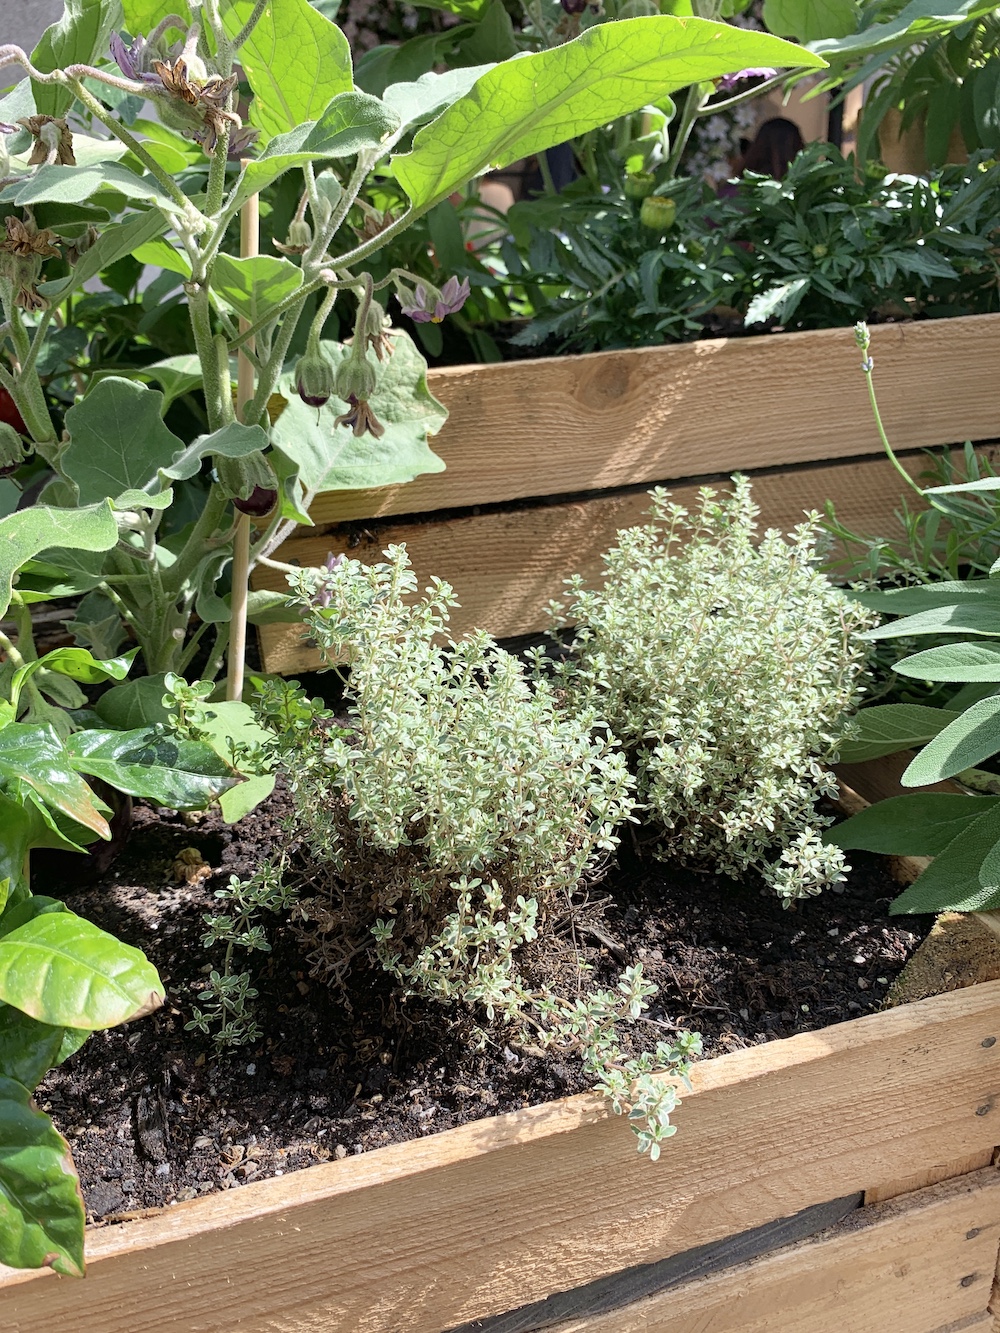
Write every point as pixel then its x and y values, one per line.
pixel 726 664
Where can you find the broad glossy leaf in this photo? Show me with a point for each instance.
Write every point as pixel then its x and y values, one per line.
pixel 951 882
pixel 234 724
pixel 915 21
pixel 117 440
pixel 352 122
pixel 41 1208
pixel 73 185
pixel 889 728
pixel 811 20
pixel 254 286
pixel 532 102
pixel 78 37
pixel 142 16
pixel 28 1049
pixel 265 607
pixel 919 824
pixel 422 99
pixel 330 458
pixel 147 763
pixel 240 800
pixel 972 737
pixel 29 533
pixel 23 827
pixel 34 755
pixel 81 665
pixel 954 662
pixel 63 970
pixel 296 61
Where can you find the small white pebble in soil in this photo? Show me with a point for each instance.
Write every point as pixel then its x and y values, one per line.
pixel 859 958
pixel 279 1172
pixel 163 1169
pixel 744 1013
pixel 251 1069
pixel 340 1152
pixel 882 981
pixel 835 931
pixel 863 984
pixel 805 1008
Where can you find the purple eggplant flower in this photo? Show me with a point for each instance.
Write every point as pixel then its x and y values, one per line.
pixel 430 306
pixel 133 60
pixel 730 81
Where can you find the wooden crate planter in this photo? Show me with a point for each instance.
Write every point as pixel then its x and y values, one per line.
pixel 836 1180
pixel 547 459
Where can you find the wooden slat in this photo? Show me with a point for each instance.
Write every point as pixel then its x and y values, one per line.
pixel 556 426
pixel 423 1236
pixel 506 567
pixel 932 1175
pixel 923 1265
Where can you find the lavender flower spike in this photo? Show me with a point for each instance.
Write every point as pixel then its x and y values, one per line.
pixel 430 306
pixel 729 81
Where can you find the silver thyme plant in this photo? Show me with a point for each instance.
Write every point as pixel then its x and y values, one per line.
pixel 726 665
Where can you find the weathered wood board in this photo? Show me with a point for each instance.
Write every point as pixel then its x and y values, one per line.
pixel 424 1236
pixel 566 424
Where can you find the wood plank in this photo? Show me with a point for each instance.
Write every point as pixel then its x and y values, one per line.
pixel 922 1265
pixel 422 1236
pixel 565 424
pixel 506 567
pixel 932 1175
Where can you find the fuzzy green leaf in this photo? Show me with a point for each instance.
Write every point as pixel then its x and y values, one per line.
pixel 74 185
pixel 421 99
pixel 63 970
pixel 27 534
pixel 534 101
pixel 78 37
pixel 919 824
pixel 956 662
pixel 811 20
pixel 952 880
pixel 41 1208
pixel 117 440
pixel 295 60
pixel 979 616
pixel 254 286
pixel 972 737
pixel 123 238
pixel 147 763
pixel 889 728
pixel 331 458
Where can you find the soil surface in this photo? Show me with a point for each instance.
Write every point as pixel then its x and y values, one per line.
pixel 155 1115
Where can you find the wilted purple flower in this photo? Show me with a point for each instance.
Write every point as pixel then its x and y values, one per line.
pixel 361 418
pixel 324 595
pixel 133 60
pixel 729 81
pixel 431 306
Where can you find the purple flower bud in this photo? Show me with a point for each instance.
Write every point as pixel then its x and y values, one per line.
pixel 133 61
pixel 430 306
pixel 729 81
pixel 574 6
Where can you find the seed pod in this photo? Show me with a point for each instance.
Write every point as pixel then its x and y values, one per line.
pixel 13 451
pixel 314 379
pixel 639 185
pixel 249 482
pixel 658 213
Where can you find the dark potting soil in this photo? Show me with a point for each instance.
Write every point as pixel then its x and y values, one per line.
pixel 155 1115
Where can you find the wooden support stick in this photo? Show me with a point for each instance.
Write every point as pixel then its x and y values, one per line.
pixel 249 246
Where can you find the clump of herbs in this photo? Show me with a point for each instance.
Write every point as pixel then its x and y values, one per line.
pixel 726 665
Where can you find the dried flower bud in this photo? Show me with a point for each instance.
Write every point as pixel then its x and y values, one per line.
pixel 377 331
pixel 249 482
pixel 315 378
pixel 298 240
pixel 639 185
pixel 52 141
pixel 13 450
pixel 658 213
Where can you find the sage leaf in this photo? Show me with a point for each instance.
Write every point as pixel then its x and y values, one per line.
pixel 972 737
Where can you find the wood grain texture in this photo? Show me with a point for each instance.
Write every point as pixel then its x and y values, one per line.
pixel 932 1175
pixel 423 1236
pixel 565 424
pixel 506 567
pixel 920 1265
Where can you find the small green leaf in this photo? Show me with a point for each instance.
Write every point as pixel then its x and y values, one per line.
pixel 74 185
pixel 136 703
pixel 62 970
pixel 966 742
pixel 889 728
pixel 152 765
pixel 233 440
pixel 176 375
pixel 78 37
pixel 421 99
pixel 114 242
pixel 41 1208
pixel 117 440
pixel 254 286
pixel 81 665
pixel 238 802
pixel 29 533
pixel 981 616
pixel 954 662
pixel 951 882
pixel 534 101
pixel 919 824
pixel 930 596
pixel 331 458
pixel 295 60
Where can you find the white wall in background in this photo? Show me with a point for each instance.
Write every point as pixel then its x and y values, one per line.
pixel 22 22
